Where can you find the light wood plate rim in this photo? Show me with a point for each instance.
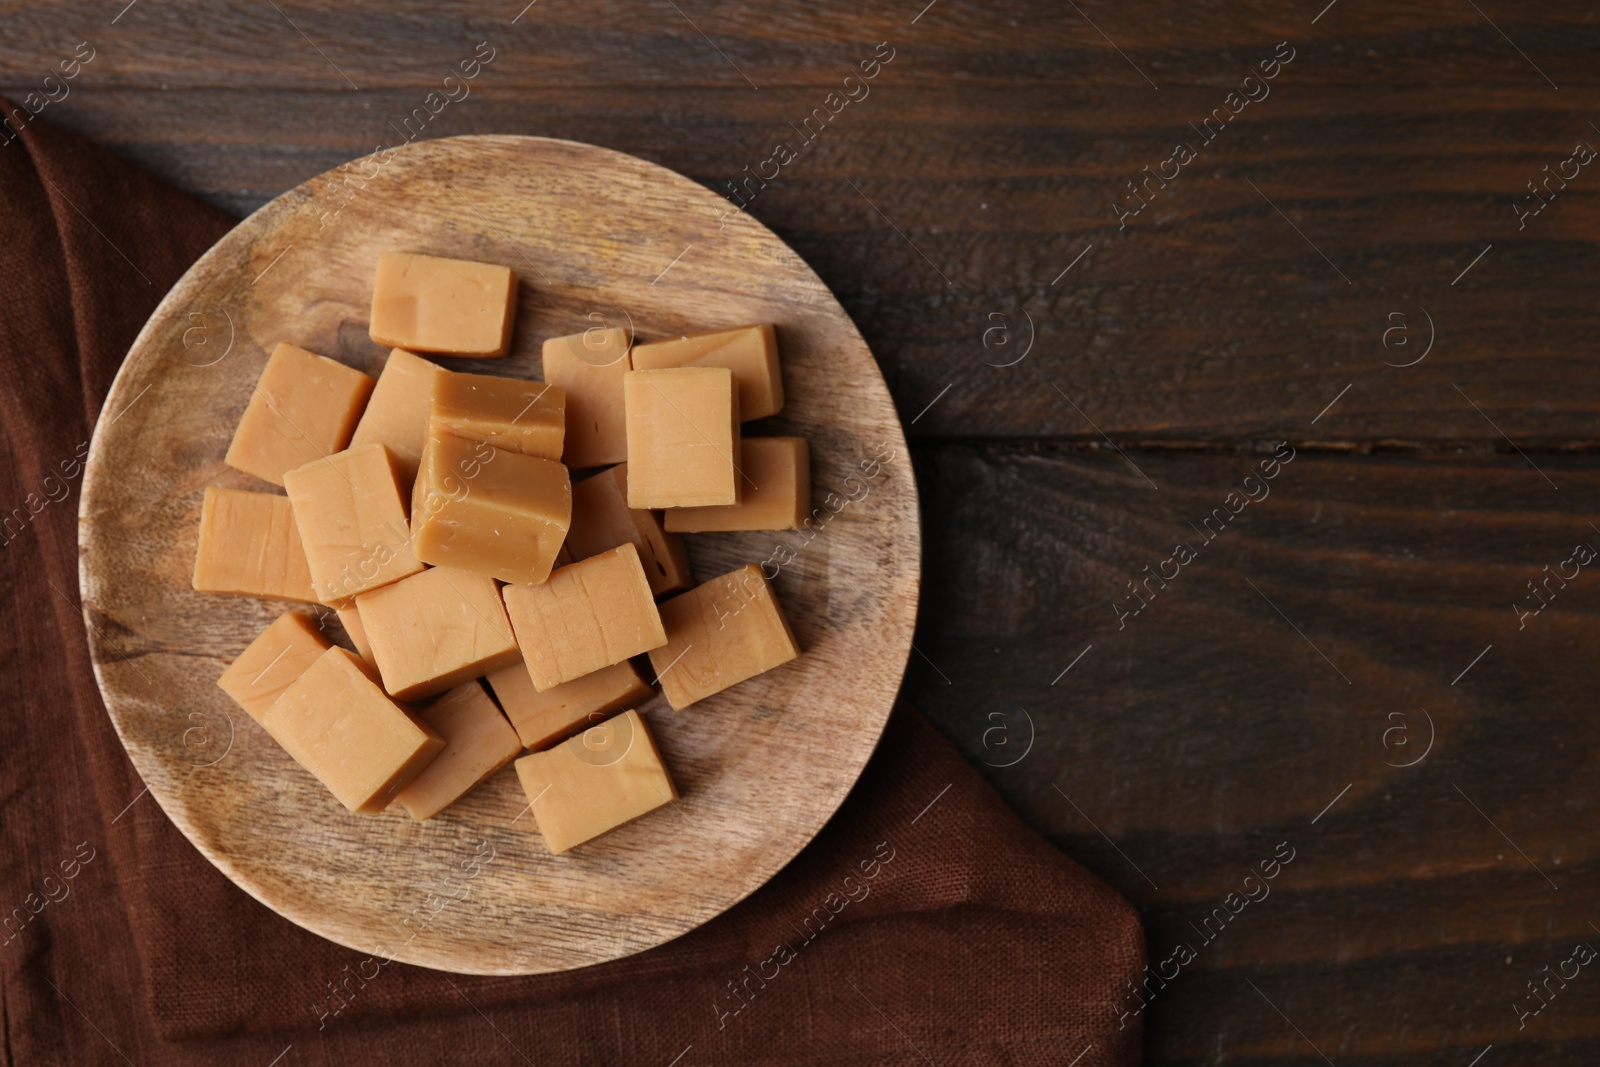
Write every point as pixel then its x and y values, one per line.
pixel 107 656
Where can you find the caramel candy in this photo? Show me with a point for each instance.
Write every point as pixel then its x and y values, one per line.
pixel 594 782
pixel 352 523
pixel 601 519
pixel 720 634
pixel 509 413
pixel 304 406
pixel 589 615
pixel 477 742
pixel 489 511
pixel 397 414
pixel 350 619
pixel 432 631
pixel 683 434
pixel 542 719
pixel 452 307
pixel 775 473
pixel 337 724
pixel 279 655
pixel 250 546
pixel 750 352
pixel 589 367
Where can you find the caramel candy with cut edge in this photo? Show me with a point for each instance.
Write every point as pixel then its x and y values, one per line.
pixel 434 630
pixel 720 634
pixel 350 619
pixel 397 414
pixel 249 545
pixel 279 654
pixel 606 776
pixel 477 742
pixel 304 406
pixel 601 519
pixel 451 307
pixel 337 724
pixel 509 413
pixel 489 511
pixel 776 475
pixel 750 352
pixel 683 435
pixel 589 615
pixel 589 367
pixel 352 523
pixel 542 719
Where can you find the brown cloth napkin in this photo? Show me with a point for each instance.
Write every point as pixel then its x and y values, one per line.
pixel 973 942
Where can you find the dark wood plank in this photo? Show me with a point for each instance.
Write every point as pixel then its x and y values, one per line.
pixel 993 148
pixel 1211 728
pixel 185 43
pixel 997 142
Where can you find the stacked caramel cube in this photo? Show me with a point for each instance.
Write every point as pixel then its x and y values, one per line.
pixel 495 603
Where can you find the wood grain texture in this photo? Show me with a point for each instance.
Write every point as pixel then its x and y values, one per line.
pixel 760 767
pixel 1211 728
pixel 996 143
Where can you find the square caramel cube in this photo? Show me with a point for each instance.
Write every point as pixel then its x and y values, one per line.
pixel 250 546
pixel 542 719
pixel 509 413
pixel 477 742
pixel 720 634
pixel 683 436
pixel 352 523
pixel 588 367
pixel 601 519
pixel 267 666
pixel 434 630
pixel 606 776
pixel 775 476
pixel 452 307
pixel 589 615
pixel 337 724
pixel 483 509
pixel 750 352
pixel 397 414
pixel 304 406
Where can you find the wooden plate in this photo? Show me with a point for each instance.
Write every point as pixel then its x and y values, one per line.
pixel 597 237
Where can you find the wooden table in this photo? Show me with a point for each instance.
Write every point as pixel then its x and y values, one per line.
pixel 1351 264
